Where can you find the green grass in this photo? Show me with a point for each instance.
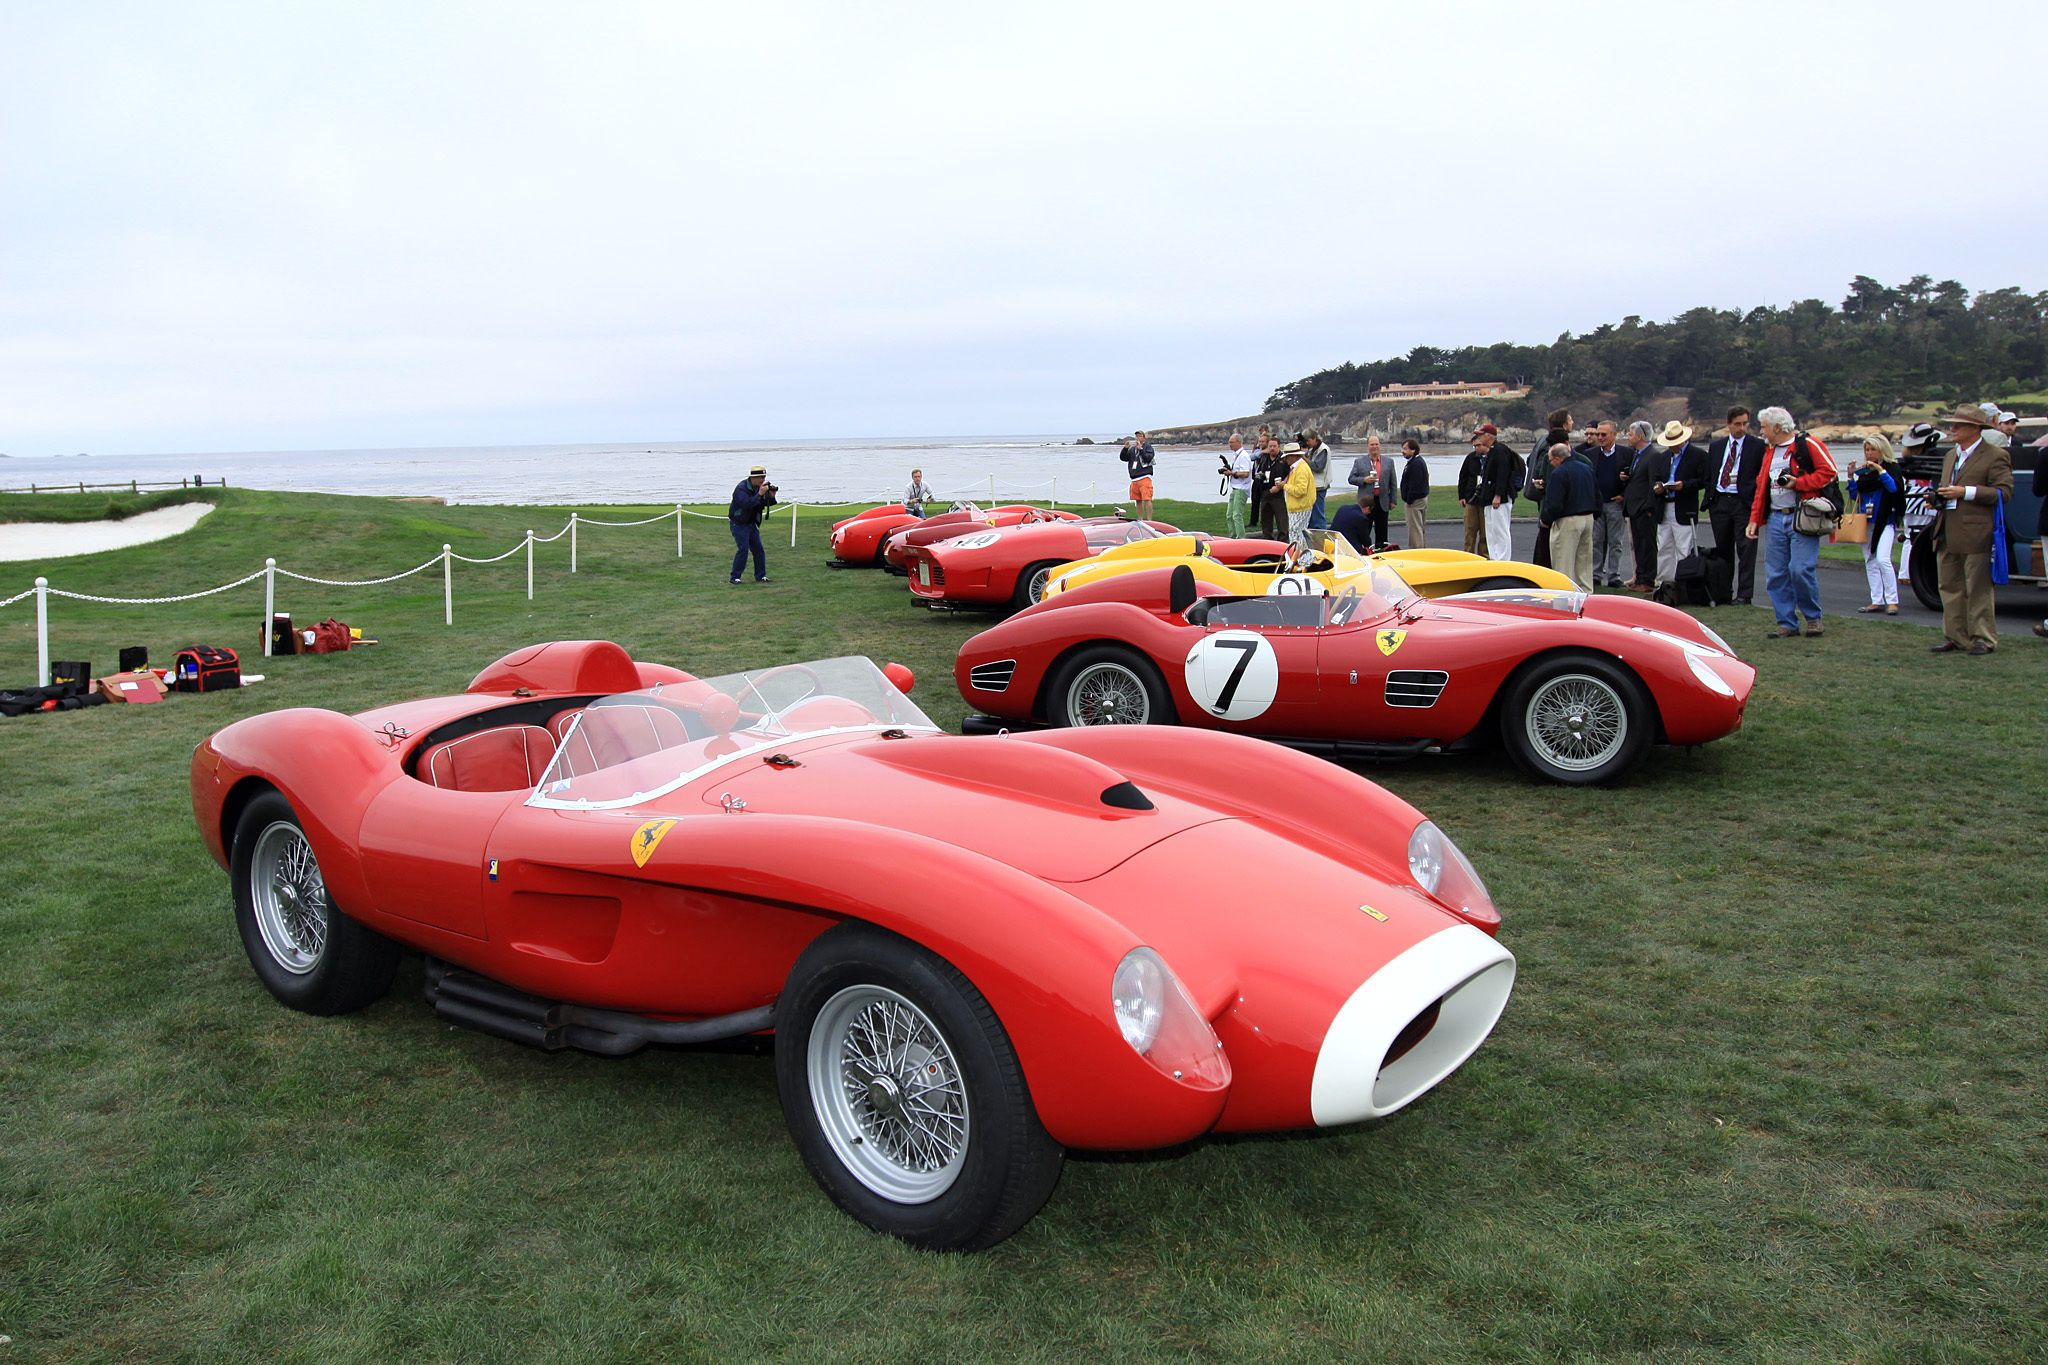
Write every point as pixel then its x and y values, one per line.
pixel 95 506
pixel 1769 1088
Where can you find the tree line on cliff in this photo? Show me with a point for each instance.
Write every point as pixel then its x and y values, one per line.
pixel 1885 346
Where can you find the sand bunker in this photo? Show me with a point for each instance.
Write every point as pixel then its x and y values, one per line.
pixel 39 540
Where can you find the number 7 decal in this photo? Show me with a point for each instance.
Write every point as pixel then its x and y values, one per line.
pixel 1233 674
pixel 1247 651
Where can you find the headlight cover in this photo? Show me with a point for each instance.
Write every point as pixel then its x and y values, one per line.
pixel 1441 868
pixel 1159 1020
pixel 1702 671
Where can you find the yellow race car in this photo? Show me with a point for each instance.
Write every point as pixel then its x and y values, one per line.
pixel 1325 566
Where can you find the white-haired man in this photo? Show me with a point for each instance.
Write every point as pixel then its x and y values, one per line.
pixel 1794 467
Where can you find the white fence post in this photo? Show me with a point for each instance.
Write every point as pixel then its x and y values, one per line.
pixel 679 530
pixel 269 602
pixel 42 632
pixel 572 542
pixel 529 563
pixel 1054 504
pixel 792 526
pixel 448 585
pixel 991 488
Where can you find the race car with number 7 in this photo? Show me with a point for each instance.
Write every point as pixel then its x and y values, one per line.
pixel 1577 688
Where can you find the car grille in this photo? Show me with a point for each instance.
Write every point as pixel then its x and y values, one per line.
pixel 1415 686
pixel 931 573
pixel 993 677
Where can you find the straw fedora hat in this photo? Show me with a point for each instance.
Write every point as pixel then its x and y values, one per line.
pixel 1675 433
pixel 1968 414
pixel 1291 448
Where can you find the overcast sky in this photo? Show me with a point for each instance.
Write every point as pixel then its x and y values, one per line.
pixel 267 226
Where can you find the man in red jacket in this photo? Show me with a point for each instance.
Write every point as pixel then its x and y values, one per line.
pixel 1794 467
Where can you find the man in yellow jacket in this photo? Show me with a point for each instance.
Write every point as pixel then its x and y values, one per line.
pixel 1301 494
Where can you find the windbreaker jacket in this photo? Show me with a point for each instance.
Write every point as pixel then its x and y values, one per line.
pixel 1806 485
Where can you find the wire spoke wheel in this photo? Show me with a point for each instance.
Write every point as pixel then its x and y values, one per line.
pixel 289 897
pixel 889 1094
pixel 1108 694
pixel 1036 591
pixel 1576 722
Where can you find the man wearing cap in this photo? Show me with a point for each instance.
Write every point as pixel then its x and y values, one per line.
pixel 1974 476
pixel 1569 498
pixel 1733 460
pixel 1300 492
pixel 1681 475
pixel 1503 482
pixel 750 502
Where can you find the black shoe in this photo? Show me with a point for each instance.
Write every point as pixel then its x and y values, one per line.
pixel 1742 601
pixel 2042 630
pixel 732 582
pixel 1980 648
pixel 1946 647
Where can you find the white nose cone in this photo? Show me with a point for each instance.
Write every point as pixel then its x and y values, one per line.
pixel 1461 974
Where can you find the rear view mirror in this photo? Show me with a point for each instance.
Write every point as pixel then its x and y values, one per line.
pixel 900 677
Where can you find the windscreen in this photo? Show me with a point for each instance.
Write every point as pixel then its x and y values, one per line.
pixel 1120 533
pixel 636 745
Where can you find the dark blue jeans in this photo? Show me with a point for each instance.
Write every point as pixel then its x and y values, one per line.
pixel 747 536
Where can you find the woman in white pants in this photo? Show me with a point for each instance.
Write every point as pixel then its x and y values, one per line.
pixel 1878 498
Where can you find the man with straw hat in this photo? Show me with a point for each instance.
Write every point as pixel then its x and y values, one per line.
pixel 1974 477
pixel 1681 474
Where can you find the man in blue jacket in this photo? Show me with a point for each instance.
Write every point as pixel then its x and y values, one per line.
pixel 750 502
pixel 1569 501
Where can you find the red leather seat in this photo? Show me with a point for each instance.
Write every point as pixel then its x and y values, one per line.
pixel 610 735
pixel 509 758
pixel 558 724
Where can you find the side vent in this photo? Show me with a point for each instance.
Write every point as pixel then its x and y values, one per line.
pixel 1416 687
pixel 993 677
pixel 1126 796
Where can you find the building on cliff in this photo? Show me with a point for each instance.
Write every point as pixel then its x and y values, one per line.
pixel 1453 389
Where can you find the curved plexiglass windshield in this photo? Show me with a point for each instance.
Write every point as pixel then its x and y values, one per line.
pixel 1101 537
pixel 635 745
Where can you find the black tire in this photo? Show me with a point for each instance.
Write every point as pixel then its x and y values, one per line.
pixel 882 553
pixel 973 1164
pixel 1101 685
pixel 1572 690
pixel 1923 573
pixel 1498 582
pixel 1031 583
pixel 306 952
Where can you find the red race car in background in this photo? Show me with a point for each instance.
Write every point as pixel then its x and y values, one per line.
pixel 973 953
pixel 1577 688
pixel 1009 567
pixel 862 537
pixel 899 543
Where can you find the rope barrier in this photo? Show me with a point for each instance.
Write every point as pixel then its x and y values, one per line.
pixel 17 597
pixel 593 521
pixel 346 582
pixel 507 555
pixel 145 601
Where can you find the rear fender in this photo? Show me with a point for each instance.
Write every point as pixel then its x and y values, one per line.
pixel 326 764
pixel 1042 957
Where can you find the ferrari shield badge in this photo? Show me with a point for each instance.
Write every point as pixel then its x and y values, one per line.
pixel 1379 915
pixel 647 838
pixel 1389 640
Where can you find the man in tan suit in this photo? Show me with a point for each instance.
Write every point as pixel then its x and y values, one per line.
pixel 1973 478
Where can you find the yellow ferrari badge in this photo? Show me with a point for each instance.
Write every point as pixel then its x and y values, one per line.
pixel 647 838
pixel 1376 914
pixel 1390 640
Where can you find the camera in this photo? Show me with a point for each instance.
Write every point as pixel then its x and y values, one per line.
pixel 1784 481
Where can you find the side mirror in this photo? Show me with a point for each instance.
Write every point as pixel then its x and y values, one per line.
pixel 901 678
pixel 720 712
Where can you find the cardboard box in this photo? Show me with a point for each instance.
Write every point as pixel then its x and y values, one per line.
pixel 131 687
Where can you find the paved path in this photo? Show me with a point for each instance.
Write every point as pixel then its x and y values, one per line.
pixel 1842 588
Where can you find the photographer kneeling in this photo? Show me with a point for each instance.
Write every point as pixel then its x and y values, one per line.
pixel 750 502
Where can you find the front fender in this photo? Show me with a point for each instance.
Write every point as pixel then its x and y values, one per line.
pixel 1042 957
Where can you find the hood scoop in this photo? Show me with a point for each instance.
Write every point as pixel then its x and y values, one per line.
pixel 1029 772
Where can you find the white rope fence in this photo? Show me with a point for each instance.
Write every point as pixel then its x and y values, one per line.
pixel 269 573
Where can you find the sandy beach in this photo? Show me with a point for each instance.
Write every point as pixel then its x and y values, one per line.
pixel 38 540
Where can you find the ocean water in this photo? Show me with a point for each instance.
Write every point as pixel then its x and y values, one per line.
pixel 817 472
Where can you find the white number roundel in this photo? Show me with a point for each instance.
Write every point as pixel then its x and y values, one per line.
pixel 973 542
pixel 1234 674
pixel 1295 585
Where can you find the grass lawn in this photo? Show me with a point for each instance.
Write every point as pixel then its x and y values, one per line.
pixel 1769 1088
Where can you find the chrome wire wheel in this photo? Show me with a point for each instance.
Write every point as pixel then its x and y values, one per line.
pixel 1576 722
pixel 1108 694
pixel 289 897
pixel 1036 590
pixel 888 1094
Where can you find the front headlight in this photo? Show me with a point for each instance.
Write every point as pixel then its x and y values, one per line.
pixel 1159 1020
pixel 1707 675
pixel 1441 868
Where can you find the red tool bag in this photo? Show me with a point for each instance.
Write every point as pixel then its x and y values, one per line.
pixel 329 637
pixel 206 668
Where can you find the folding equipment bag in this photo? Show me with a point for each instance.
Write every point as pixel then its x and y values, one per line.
pixel 134 657
pixel 207 668
pixel 74 679
pixel 283 639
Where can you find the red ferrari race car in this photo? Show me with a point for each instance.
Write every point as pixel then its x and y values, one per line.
pixel 897 546
pixel 1009 567
pixel 599 854
pixel 862 537
pixel 1576 687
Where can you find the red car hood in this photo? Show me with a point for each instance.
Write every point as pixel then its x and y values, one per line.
pixel 1033 806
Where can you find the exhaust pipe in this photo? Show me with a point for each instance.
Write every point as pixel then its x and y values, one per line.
pixel 492 1007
